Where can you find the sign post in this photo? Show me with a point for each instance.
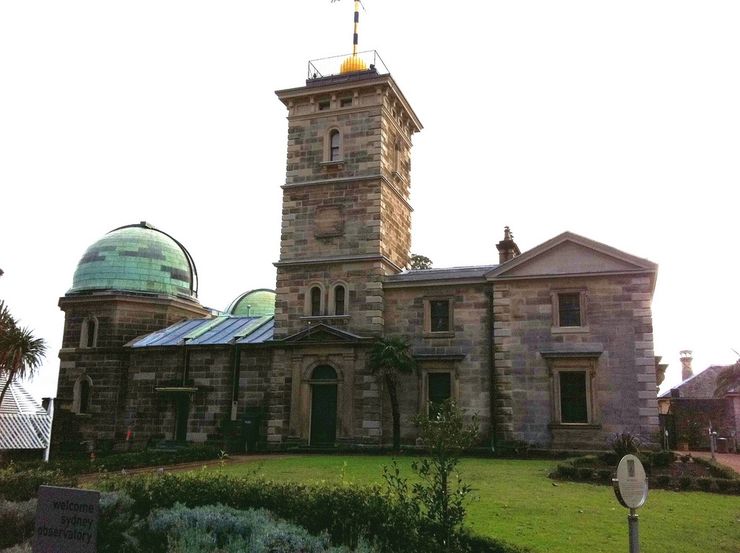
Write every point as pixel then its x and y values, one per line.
pixel 66 520
pixel 631 489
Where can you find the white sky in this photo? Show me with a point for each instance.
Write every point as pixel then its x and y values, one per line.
pixel 619 121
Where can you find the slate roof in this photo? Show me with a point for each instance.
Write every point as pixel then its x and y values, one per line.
pixel 24 424
pixel 450 273
pixel 699 386
pixel 223 329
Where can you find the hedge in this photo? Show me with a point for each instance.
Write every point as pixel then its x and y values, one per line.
pixel 346 513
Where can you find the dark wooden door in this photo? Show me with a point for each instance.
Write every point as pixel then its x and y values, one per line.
pixel 323 414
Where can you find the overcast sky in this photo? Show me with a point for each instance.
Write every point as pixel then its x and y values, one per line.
pixel 619 121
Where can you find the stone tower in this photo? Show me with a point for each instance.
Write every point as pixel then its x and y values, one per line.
pixel 346 220
pixel 134 280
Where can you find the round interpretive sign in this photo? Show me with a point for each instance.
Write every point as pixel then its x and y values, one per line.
pixel 631 485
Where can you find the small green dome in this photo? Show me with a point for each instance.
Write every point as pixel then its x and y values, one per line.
pixel 255 303
pixel 140 259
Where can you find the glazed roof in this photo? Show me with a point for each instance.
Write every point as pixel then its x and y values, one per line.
pixel 140 259
pixel 255 303
pixel 224 329
pixel 24 424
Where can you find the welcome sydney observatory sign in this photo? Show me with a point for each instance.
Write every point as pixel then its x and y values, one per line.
pixel 66 520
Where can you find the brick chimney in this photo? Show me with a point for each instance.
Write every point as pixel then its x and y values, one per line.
pixel 686 359
pixel 507 248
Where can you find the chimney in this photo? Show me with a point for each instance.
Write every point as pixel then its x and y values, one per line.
pixel 507 248
pixel 686 359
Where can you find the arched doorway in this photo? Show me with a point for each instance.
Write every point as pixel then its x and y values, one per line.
pixel 323 405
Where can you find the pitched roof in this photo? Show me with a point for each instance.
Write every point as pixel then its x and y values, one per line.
pixel 24 424
pixel 434 275
pixel 698 386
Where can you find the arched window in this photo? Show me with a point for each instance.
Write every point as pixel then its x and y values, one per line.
pixel 315 301
pixel 89 333
pixel 339 300
pixel 335 145
pixel 82 395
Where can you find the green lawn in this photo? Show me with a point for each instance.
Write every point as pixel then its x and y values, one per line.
pixel 516 502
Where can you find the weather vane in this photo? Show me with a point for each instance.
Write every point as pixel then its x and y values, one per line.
pixel 358 3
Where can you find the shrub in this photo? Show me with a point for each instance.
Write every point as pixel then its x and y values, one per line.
pixel 219 528
pixel 345 512
pixel 604 476
pixel 717 470
pixel 586 460
pixel 624 444
pixel 727 485
pixel 482 544
pixel 119 529
pixel 585 473
pixel 19 485
pixel 16 520
pixel 685 482
pixel 566 472
pixel 664 458
pixel 704 484
pixel 663 480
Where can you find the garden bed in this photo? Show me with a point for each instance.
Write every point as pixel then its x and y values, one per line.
pixel 664 469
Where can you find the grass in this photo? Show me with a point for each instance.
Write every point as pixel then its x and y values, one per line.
pixel 516 502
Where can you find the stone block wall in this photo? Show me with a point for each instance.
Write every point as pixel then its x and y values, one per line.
pixel 120 319
pixel 106 368
pixel 464 352
pixel 364 299
pixel 618 321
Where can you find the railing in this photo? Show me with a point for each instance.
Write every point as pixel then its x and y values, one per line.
pixel 327 67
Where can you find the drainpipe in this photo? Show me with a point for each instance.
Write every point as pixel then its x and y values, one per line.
pixel 185 363
pixel 492 367
pixel 236 357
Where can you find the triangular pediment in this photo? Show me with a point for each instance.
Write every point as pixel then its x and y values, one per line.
pixel 571 254
pixel 322 334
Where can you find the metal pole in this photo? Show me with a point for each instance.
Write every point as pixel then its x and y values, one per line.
pixel 634 526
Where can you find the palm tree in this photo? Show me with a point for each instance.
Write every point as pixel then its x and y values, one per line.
pixel 390 358
pixel 20 352
pixel 728 379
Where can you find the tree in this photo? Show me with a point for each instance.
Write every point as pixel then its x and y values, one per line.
pixel 20 352
pixel 437 500
pixel 420 262
pixel 727 379
pixel 446 437
pixel 390 358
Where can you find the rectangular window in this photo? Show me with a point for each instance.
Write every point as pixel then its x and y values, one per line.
pixel 569 309
pixel 573 397
pixel 439 316
pixel 324 105
pixel 439 390
pixel 345 102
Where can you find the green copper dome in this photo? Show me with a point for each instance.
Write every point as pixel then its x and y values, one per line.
pixel 140 259
pixel 256 303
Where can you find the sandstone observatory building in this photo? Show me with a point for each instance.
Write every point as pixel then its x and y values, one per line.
pixel 552 346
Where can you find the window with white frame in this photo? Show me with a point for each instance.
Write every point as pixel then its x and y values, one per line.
pixel 82 395
pixel 89 333
pixel 335 145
